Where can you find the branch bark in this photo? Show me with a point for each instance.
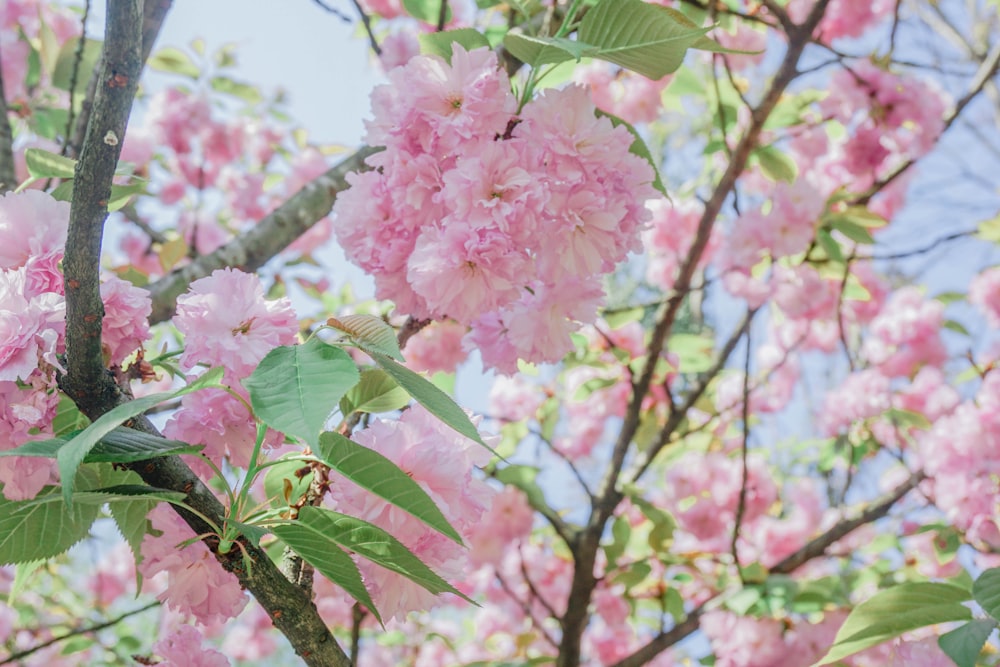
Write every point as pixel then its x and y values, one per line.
pixel 267 238
pixel 813 549
pixel 89 383
pixel 585 548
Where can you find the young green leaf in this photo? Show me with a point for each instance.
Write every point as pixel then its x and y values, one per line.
pixel 374 472
pixel 440 43
pixel 370 333
pixel 376 392
pixel 538 51
pixel 73 453
pixel 436 401
pixel 965 643
pixel 378 546
pixel 296 387
pixel 986 591
pixel 172 60
pixel 43 164
pixel 776 164
pixel 893 611
pixel 638 36
pixel 321 551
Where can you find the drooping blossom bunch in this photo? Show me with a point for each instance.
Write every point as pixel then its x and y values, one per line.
pixel 32 328
pixel 227 321
pixel 502 220
pixel 442 462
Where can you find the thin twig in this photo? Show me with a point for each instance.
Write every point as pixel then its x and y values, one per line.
pixel 811 550
pixel 742 502
pixel 74 74
pixel 86 630
pixel 367 22
pixel 333 10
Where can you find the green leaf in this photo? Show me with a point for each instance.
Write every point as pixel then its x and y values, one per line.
pixel 376 392
pixel 238 89
pixel 776 164
pixel 849 228
pixel 957 327
pixel 639 149
pixel 830 245
pixel 173 60
pixel 112 494
pixel 73 453
pixel 538 51
pixel 965 643
pixel 37 531
pixel 378 546
pixel 130 518
pixel 893 611
pixel 428 11
pixel 440 43
pixel 374 472
pixel 43 164
pixel 370 333
pixel 63 73
pixel 122 445
pixel 989 230
pixel 296 387
pixel 122 194
pixel 696 353
pixel 986 591
pixel 283 486
pixel 321 551
pixel 433 399
pixel 638 36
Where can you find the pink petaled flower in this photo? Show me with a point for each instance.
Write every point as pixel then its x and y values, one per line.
pixel 537 326
pixel 196 583
pixel 862 395
pixel 251 637
pixel 31 330
pixel 32 224
pixel 514 398
pixel 214 418
pixel 226 321
pixel 743 641
pixel 631 97
pixel 906 334
pixel 26 413
pixel 507 522
pixel 397 49
pixel 183 649
pixel 431 106
pixel 669 238
pixel 437 348
pixel 126 309
pixel 462 272
pixel 42 274
pixel 442 462
pixel 984 293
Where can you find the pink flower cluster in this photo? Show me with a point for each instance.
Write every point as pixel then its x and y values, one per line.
pixel 500 220
pixel 192 581
pixel 33 229
pixel 888 113
pixel 442 462
pixel 226 321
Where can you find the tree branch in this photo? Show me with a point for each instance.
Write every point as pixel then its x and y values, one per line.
pixel 271 235
pixel 813 549
pixel 118 81
pixel 94 389
pixel 90 629
pixel 608 496
pixel 153 14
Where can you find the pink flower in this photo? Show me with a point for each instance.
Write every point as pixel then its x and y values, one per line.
pixel 126 309
pixel 436 348
pixel 32 224
pixel 507 521
pixel 984 293
pixel 226 321
pixel 183 649
pixel 31 330
pixel 196 583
